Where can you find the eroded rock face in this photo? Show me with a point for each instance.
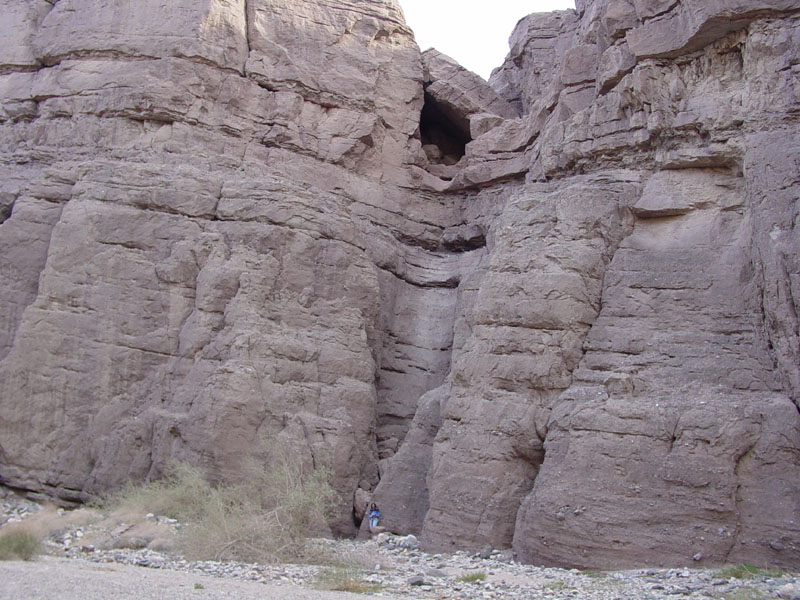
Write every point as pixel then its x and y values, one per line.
pixel 557 313
pixel 520 354
pixel 185 269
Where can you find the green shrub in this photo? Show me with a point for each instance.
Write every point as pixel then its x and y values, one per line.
pixel 595 573
pixel 557 586
pixel 18 542
pixel 266 517
pixel 747 572
pixel 344 580
pixel 472 577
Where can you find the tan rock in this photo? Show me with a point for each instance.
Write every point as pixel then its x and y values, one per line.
pixel 537 45
pixel 519 354
pixel 403 489
pixel 687 26
pixel 20 22
pixel 481 123
pixel 557 311
pixel 672 193
pixel 616 62
pixel 451 84
pixel 361 501
pixel 580 64
pixel 210 30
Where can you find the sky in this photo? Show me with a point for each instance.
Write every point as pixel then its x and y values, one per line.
pixel 475 33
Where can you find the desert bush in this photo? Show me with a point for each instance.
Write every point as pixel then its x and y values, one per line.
pixel 19 541
pixel 266 517
pixel 339 579
pixel 747 572
pixel 179 495
pixel 473 577
pixel 595 573
pixel 557 586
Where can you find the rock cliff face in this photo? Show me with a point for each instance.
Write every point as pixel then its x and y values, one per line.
pixel 557 313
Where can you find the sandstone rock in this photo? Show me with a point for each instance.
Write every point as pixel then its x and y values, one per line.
pixel 580 64
pixel 483 122
pixel 162 314
pixel 375 63
pixel 616 62
pixel 458 106
pixel 25 242
pixel 674 193
pixel 687 26
pixel 647 9
pixel 615 18
pixel 557 311
pixel 497 410
pixel 691 394
pixel 361 501
pixel 467 93
pixel 618 384
pixel 403 488
pixel 532 66
pixel 212 30
pixel 776 248
pixel 20 22
pixel 377 530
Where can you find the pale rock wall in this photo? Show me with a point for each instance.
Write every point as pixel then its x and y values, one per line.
pixel 219 226
pixel 196 249
pixel 673 411
pixel 540 293
pixel 675 400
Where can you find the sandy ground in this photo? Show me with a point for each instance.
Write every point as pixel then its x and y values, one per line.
pixel 50 578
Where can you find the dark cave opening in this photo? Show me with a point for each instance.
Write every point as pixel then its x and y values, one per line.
pixel 5 212
pixel 443 131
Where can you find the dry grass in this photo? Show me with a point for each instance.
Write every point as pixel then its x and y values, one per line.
pixel 19 541
pixel 473 577
pixel 338 579
pixel 23 540
pixel 40 525
pixel 50 520
pixel 266 518
pixel 747 572
pixel 556 586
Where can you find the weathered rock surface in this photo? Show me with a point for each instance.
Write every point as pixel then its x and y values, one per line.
pixel 179 232
pixel 558 313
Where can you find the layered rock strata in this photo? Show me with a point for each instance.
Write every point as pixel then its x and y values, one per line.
pixel 556 313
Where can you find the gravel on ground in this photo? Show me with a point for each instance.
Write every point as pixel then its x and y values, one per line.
pixel 387 566
pixel 75 579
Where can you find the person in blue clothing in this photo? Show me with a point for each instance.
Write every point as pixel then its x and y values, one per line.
pixel 374 514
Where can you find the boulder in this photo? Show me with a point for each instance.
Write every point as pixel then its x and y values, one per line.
pixel 361 501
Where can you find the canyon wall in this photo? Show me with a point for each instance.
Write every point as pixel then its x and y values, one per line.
pixel 556 312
